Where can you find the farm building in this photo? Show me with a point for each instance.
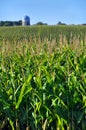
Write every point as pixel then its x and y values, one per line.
pixel 26 21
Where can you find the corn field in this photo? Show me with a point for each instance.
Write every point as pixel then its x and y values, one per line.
pixel 43 78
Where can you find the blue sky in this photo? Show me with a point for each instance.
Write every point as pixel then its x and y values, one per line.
pixel 47 11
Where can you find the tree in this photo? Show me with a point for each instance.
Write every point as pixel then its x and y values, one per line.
pixel 1 23
pixel 60 23
pixel 11 23
pixel 41 23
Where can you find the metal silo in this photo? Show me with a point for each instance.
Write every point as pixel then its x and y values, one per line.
pixel 26 21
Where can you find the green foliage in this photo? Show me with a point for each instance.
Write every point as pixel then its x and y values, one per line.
pixel 42 90
pixel 59 33
pixel 11 23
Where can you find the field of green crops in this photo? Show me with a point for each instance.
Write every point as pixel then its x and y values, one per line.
pixel 43 78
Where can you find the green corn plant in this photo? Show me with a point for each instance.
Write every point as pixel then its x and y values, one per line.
pixel 43 78
pixel 23 92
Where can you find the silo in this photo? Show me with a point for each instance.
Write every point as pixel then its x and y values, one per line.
pixel 26 21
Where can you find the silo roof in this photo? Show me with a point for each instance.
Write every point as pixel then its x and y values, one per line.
pixel 26 17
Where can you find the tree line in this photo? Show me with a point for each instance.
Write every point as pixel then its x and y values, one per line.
pixel 19 23
pixel 11 23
